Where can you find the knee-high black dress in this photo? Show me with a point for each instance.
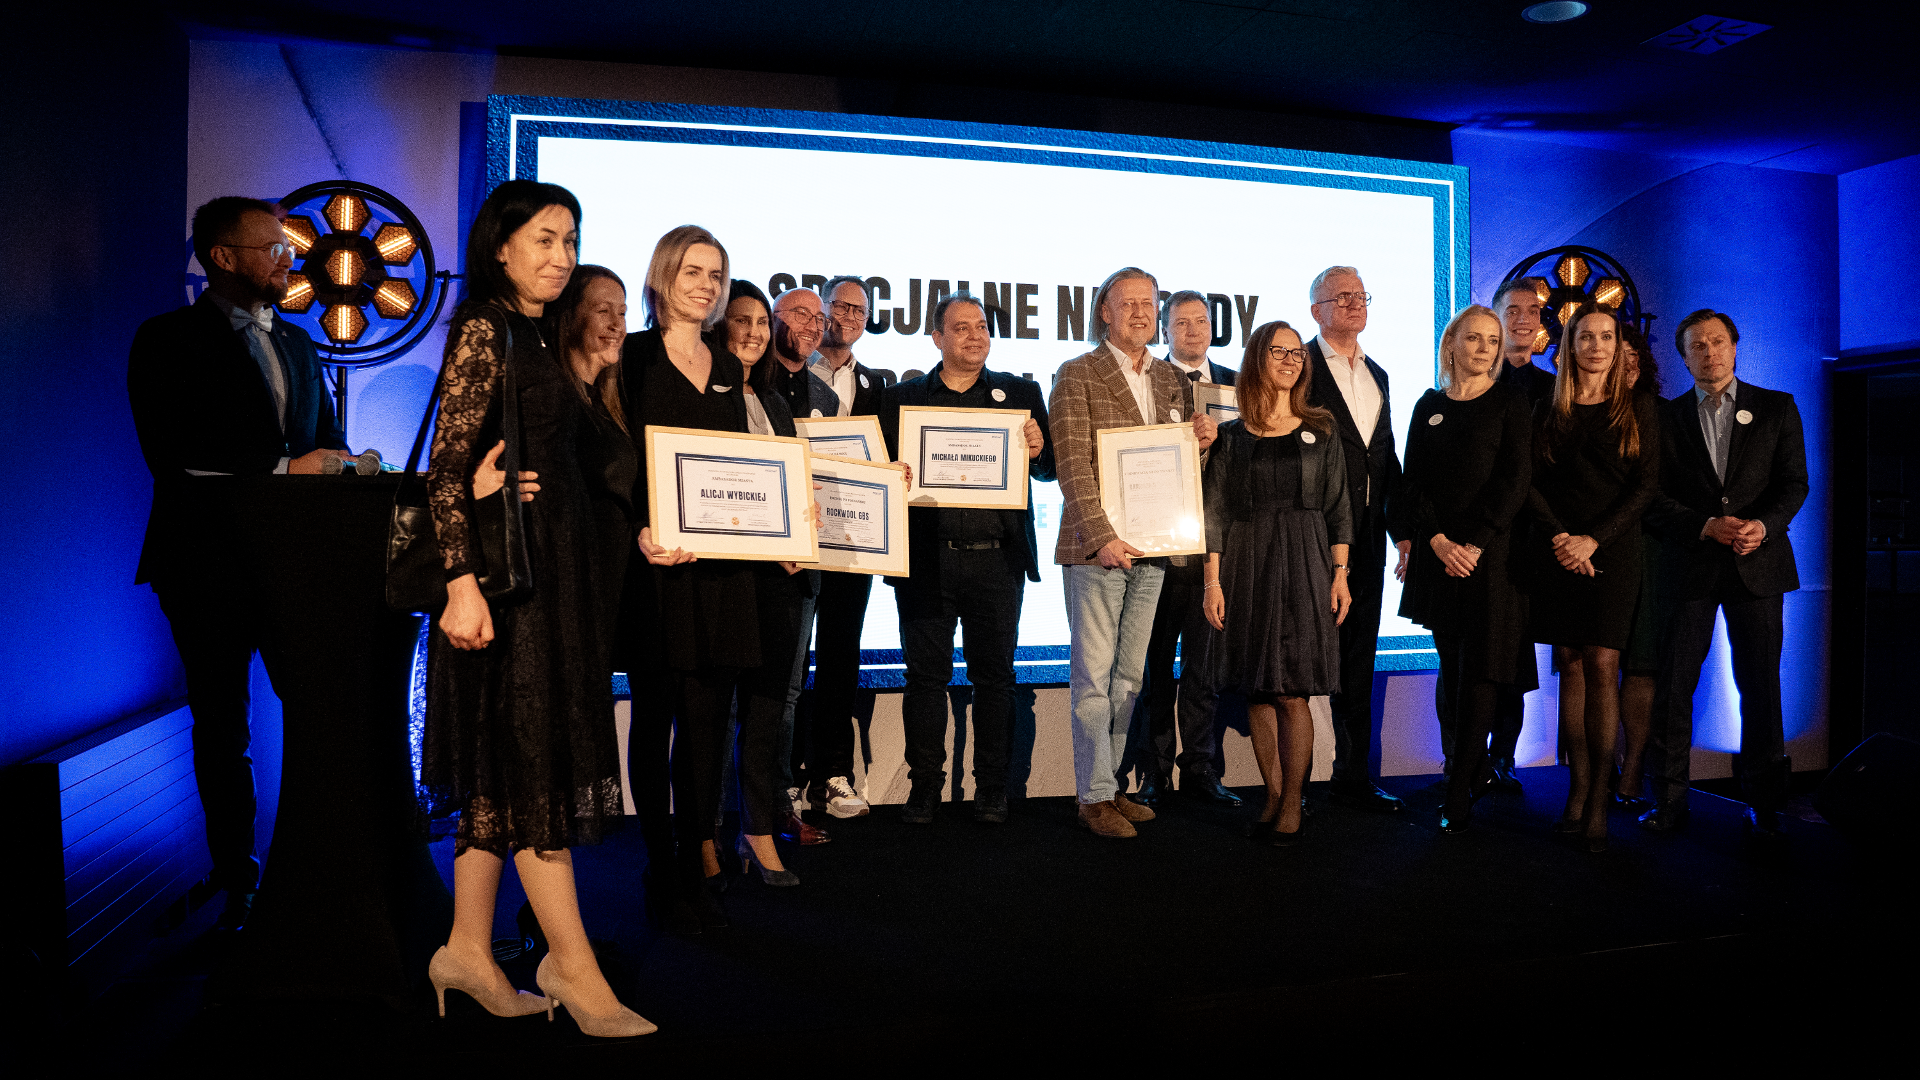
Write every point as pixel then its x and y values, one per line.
pixel 1585 486
pixel 519 734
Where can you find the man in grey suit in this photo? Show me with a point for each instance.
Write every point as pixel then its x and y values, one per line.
pixel 1733 472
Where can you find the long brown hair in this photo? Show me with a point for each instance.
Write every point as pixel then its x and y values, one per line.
pixel 1258 396
pixel 1620 415
pixel 572 329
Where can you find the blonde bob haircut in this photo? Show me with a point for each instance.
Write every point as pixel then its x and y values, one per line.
pixel 1448 336
pixel 665 267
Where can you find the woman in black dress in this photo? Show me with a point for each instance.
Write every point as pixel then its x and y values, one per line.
pixel 518 702
pixel 1595 468
pixel 591 318
pixel 1276 504
pixel 700 618
pixel 1468 467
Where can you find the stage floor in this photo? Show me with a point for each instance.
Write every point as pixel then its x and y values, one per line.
pixel 958 938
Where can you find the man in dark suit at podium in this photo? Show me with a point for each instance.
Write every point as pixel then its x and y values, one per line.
pixel 1733 472
pixel 1178 620
pixel 223 387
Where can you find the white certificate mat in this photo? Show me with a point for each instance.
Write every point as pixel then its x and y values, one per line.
pixel 855 437
pixel 723 495
pixel 1218 402
pixel 965 457
pixel 1150 488
pixel 863 516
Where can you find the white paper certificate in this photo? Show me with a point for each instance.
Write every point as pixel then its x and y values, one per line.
pixel 1150 497
pixel 856 438
pixel 965 457
pixel 1218 402
pixel 842 446
pixel 863 516
pixel 1150 487
pixel 733 496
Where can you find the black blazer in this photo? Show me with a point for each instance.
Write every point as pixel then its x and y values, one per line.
pixel 1766 481
pixel 200 402
pixel 921 523
pixel 1369 464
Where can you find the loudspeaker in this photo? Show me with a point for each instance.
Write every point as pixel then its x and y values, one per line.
pixel 1873 787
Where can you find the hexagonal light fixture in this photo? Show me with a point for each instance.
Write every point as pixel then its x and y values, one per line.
pixel 1566 277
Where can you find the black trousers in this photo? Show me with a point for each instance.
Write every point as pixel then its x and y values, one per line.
pixel 1756 631
pixel 765 740
pixel 842 612
pixel 702 720
pixel 1177 621
pixel 217 630
pixel 1470 707
pixel 982 592
pixel 1353 716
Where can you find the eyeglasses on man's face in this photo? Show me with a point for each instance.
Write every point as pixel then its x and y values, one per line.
pixel 273 250
pixel 842 309
pixel 799 316
pixel 1347 299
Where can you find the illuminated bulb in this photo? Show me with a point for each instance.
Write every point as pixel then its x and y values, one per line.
pixel 343 268
pixel 343 323
pixel 300 233
pixel 1541 289
pixel 1609 293
pixel 394 298
pixel 1572 271
pixel 299 295
pixel 1541 339
pixel 395 243
pixel 347 213
pixel 1567 310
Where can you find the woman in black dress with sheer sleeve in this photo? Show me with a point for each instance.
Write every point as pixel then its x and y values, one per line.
pixel 1468 468
pixel 518 731
pixel 1275 585
pixel 1596 466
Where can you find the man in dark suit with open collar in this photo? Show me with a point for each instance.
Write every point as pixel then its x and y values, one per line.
pixel 1178 621
pixel 1733 472
pixel 1354 389
pixel 223 386
pixel 969 566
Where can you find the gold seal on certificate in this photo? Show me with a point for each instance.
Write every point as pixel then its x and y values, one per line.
pixel 1150 488
pixel 725 495
pixel 863 516
pixel 966 457
pixel 1217 401
pixel 857 438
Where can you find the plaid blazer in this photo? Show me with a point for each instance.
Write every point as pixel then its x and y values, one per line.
pixel 1090 395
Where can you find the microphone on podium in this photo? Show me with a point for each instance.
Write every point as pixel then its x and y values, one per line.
pixel 367 464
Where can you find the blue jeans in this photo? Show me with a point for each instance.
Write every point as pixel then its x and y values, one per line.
pixel 1110 615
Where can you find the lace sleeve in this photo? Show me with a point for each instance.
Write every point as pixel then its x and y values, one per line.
pixel 470 377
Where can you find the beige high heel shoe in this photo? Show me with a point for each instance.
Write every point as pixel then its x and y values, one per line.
pixel 446 973
pixel 623 1023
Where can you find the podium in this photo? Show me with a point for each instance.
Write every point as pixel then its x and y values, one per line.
pixel 350 904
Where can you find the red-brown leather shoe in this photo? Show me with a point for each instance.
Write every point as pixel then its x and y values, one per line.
pixel 1131 810
pixel 1103 820
pixel 797 831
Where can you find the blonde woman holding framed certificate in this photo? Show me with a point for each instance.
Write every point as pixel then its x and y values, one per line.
pixel 1275 587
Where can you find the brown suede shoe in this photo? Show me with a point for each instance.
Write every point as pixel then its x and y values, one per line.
pixel 1103 820
pixel 1131 810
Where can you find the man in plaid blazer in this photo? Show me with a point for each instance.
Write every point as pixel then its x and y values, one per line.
pixel 1111 591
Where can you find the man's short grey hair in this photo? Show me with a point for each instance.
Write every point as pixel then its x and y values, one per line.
pixel 833 284
pixel 1125 273
pixel 1313 290
pixel 1184 296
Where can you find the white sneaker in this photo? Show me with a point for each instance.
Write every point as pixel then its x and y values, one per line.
pixel 843 801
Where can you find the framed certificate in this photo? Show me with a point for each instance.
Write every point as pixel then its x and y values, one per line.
pixel 1218 402
pixel 1150 488
pixel 965 457
pixel 855 437
pixel 722 495
pixel 863 516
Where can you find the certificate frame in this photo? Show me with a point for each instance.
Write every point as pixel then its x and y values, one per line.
pixel 878 549
pixel 1006 492
pixel 1114 446
pixel 1220 403
pixel 864 428
pixel 671 451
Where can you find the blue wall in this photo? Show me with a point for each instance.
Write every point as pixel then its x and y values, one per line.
pixel 94 169
pixel 1880 255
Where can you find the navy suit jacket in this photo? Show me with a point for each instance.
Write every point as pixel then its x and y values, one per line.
pixel 1368 463
pixel 1220 375
pixel 200 402
pixel 921 522
pixel 1766 481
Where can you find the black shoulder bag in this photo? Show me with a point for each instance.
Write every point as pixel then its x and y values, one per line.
pixel 416 572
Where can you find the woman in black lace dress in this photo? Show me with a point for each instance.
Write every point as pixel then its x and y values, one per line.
pixel 1469 465
pixel 519 705
pixel 1275 586
pixel 1596 466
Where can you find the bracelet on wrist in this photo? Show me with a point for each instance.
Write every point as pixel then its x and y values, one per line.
pixel 1213 585
pixel 1339 566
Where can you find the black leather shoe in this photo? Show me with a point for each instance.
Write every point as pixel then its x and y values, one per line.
pixel 1663 819
pixel 1366 795
pixel 1206 789
pixel 1503 778
pixel 233 917
pixel 990 807
pixel 1152 787
pixel 1763 824
pixel 921 804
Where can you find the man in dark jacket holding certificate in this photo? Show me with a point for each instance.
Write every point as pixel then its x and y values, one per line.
pixel 968 566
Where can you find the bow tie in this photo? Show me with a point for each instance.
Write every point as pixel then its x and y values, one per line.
pixel 262 318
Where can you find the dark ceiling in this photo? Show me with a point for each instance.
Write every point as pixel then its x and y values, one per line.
pixel 1828 89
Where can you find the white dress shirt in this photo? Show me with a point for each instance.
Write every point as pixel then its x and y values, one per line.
pixel 841 380
pixel 1140 382
pixel 1356 385
pixel 1186 371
